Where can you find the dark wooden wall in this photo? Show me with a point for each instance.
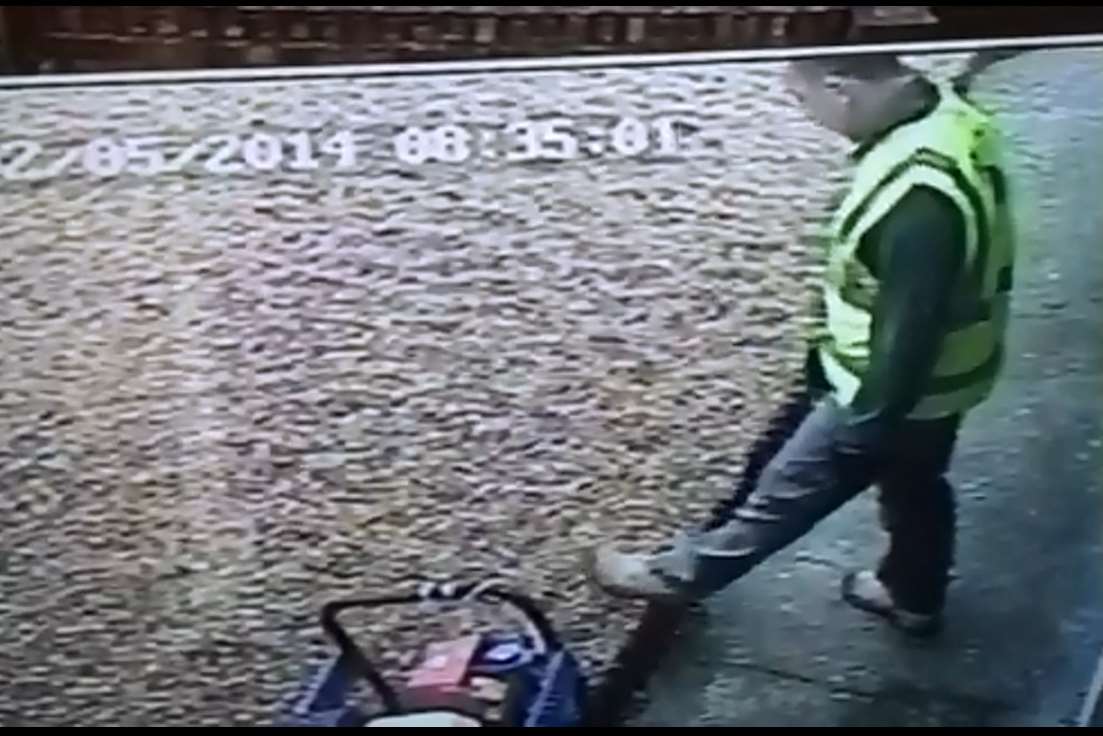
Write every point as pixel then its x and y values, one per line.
pixel 50 38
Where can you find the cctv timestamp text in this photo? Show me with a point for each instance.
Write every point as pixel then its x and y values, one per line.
pixel 345 151
pixel 553 139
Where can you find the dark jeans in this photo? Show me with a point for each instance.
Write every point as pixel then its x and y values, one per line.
pixel 807 480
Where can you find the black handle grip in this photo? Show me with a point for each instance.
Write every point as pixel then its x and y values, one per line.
pixel 455 593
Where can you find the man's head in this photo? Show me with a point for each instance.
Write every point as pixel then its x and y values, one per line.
pixel 859 96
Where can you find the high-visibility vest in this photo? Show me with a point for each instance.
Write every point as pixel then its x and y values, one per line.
pixel 953 149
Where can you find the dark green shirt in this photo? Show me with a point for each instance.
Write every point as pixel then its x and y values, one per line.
pixel 916 253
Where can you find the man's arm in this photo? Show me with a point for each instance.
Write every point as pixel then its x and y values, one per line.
pixel 916 253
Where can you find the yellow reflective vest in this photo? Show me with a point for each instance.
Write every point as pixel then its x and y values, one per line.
pixel 953 149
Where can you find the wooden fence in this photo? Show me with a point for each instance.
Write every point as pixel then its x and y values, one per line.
pixel 49 38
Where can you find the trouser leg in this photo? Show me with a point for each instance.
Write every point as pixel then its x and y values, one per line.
pixel 803 484
pixel 918 512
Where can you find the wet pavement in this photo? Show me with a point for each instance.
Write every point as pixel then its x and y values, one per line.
pixel 1025 618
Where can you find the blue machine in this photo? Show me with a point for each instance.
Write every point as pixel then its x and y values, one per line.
pixel 543 683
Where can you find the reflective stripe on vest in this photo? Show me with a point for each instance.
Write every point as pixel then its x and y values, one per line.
pixel 939 151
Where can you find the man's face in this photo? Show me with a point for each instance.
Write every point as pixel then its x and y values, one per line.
pixel 821 93
pixel 844 96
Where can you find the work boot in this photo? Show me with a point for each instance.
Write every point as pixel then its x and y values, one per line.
pixel 633 575
pixel 865 591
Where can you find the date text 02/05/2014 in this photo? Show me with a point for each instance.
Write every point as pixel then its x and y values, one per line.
pixel 556 139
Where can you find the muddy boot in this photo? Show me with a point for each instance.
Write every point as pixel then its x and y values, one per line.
pixel 864 591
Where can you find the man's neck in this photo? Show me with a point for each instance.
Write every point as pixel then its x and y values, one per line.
pixel 909 103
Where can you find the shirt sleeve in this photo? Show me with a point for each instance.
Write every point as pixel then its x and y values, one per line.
pixel 916 254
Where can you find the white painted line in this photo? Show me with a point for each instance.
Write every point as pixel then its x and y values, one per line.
pixel 544 64
pixel 1092 712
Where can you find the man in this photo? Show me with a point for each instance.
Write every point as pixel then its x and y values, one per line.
pixel 918 275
